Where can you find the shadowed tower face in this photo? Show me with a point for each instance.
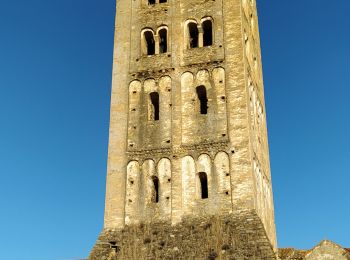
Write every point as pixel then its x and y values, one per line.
pixel 188 132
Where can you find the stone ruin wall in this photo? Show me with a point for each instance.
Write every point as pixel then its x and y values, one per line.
pixel 221 237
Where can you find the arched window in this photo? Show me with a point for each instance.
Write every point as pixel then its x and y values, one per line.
pixel 207 27
pixel 204 184
pixel 149 43
pixel 192 35
pixel 163 40
pixel 154 113
pixel 203 100
pixel 151 2
pixel 155 192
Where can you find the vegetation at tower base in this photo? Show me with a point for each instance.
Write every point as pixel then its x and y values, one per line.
pixel 234 236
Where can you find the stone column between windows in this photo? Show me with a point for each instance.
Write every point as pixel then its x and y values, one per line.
pixel 200 36
pixel 156 44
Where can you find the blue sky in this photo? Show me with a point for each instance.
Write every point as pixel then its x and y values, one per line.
pixel 55 77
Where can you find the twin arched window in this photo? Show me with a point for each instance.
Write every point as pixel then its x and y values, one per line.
pixel 153 2
pixel 193 34
pixel 149 42
pixel 163 40
pixel 196 36
pixel 154 44
pixel 199 35
pixel 207 27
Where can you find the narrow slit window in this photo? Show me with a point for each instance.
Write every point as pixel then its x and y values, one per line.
pixel 151 2
pixel 204 184
pixel 163 40
pixel 155 193
pixel 207 33
pixel 162 1
pixel 149 41
pixel 203 100
pixel 154 97
pixel 193 35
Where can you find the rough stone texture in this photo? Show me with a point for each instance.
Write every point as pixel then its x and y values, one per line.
pixel 219 237
pixel 228 143
pixel 169 218
pixel 326 250
pixel 234 128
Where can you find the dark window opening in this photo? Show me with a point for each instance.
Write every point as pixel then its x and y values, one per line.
pixel 193 35
pixel 203 100
pixel 154 96
pixel 113 245
pixel 155 195
pixel 149 43
pixel 204 184
pixel 162 1
pixel 207 33
pixel 151 2
pixel 163 43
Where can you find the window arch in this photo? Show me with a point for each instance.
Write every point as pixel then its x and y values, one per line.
pixel 203 99
pixel 163 39
pixel 155 191
pixel 151 2
pixel 203 178
pixel 207 27
pixel 192 35
pixel 148 42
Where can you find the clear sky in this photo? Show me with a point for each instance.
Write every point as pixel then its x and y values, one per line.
pixel 55 78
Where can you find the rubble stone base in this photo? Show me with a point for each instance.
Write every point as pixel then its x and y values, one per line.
pixel 234 236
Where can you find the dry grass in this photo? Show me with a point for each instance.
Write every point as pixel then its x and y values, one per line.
pixel 205 238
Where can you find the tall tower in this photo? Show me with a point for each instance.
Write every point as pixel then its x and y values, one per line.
pixel 188 134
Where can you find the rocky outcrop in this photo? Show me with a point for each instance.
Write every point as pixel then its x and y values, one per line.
pixel 326 250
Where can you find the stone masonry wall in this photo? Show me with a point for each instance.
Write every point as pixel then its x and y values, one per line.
pixel 257 116
pixel 154 159
pixel 222 237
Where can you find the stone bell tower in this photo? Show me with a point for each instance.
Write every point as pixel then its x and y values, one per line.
pixel 188 136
